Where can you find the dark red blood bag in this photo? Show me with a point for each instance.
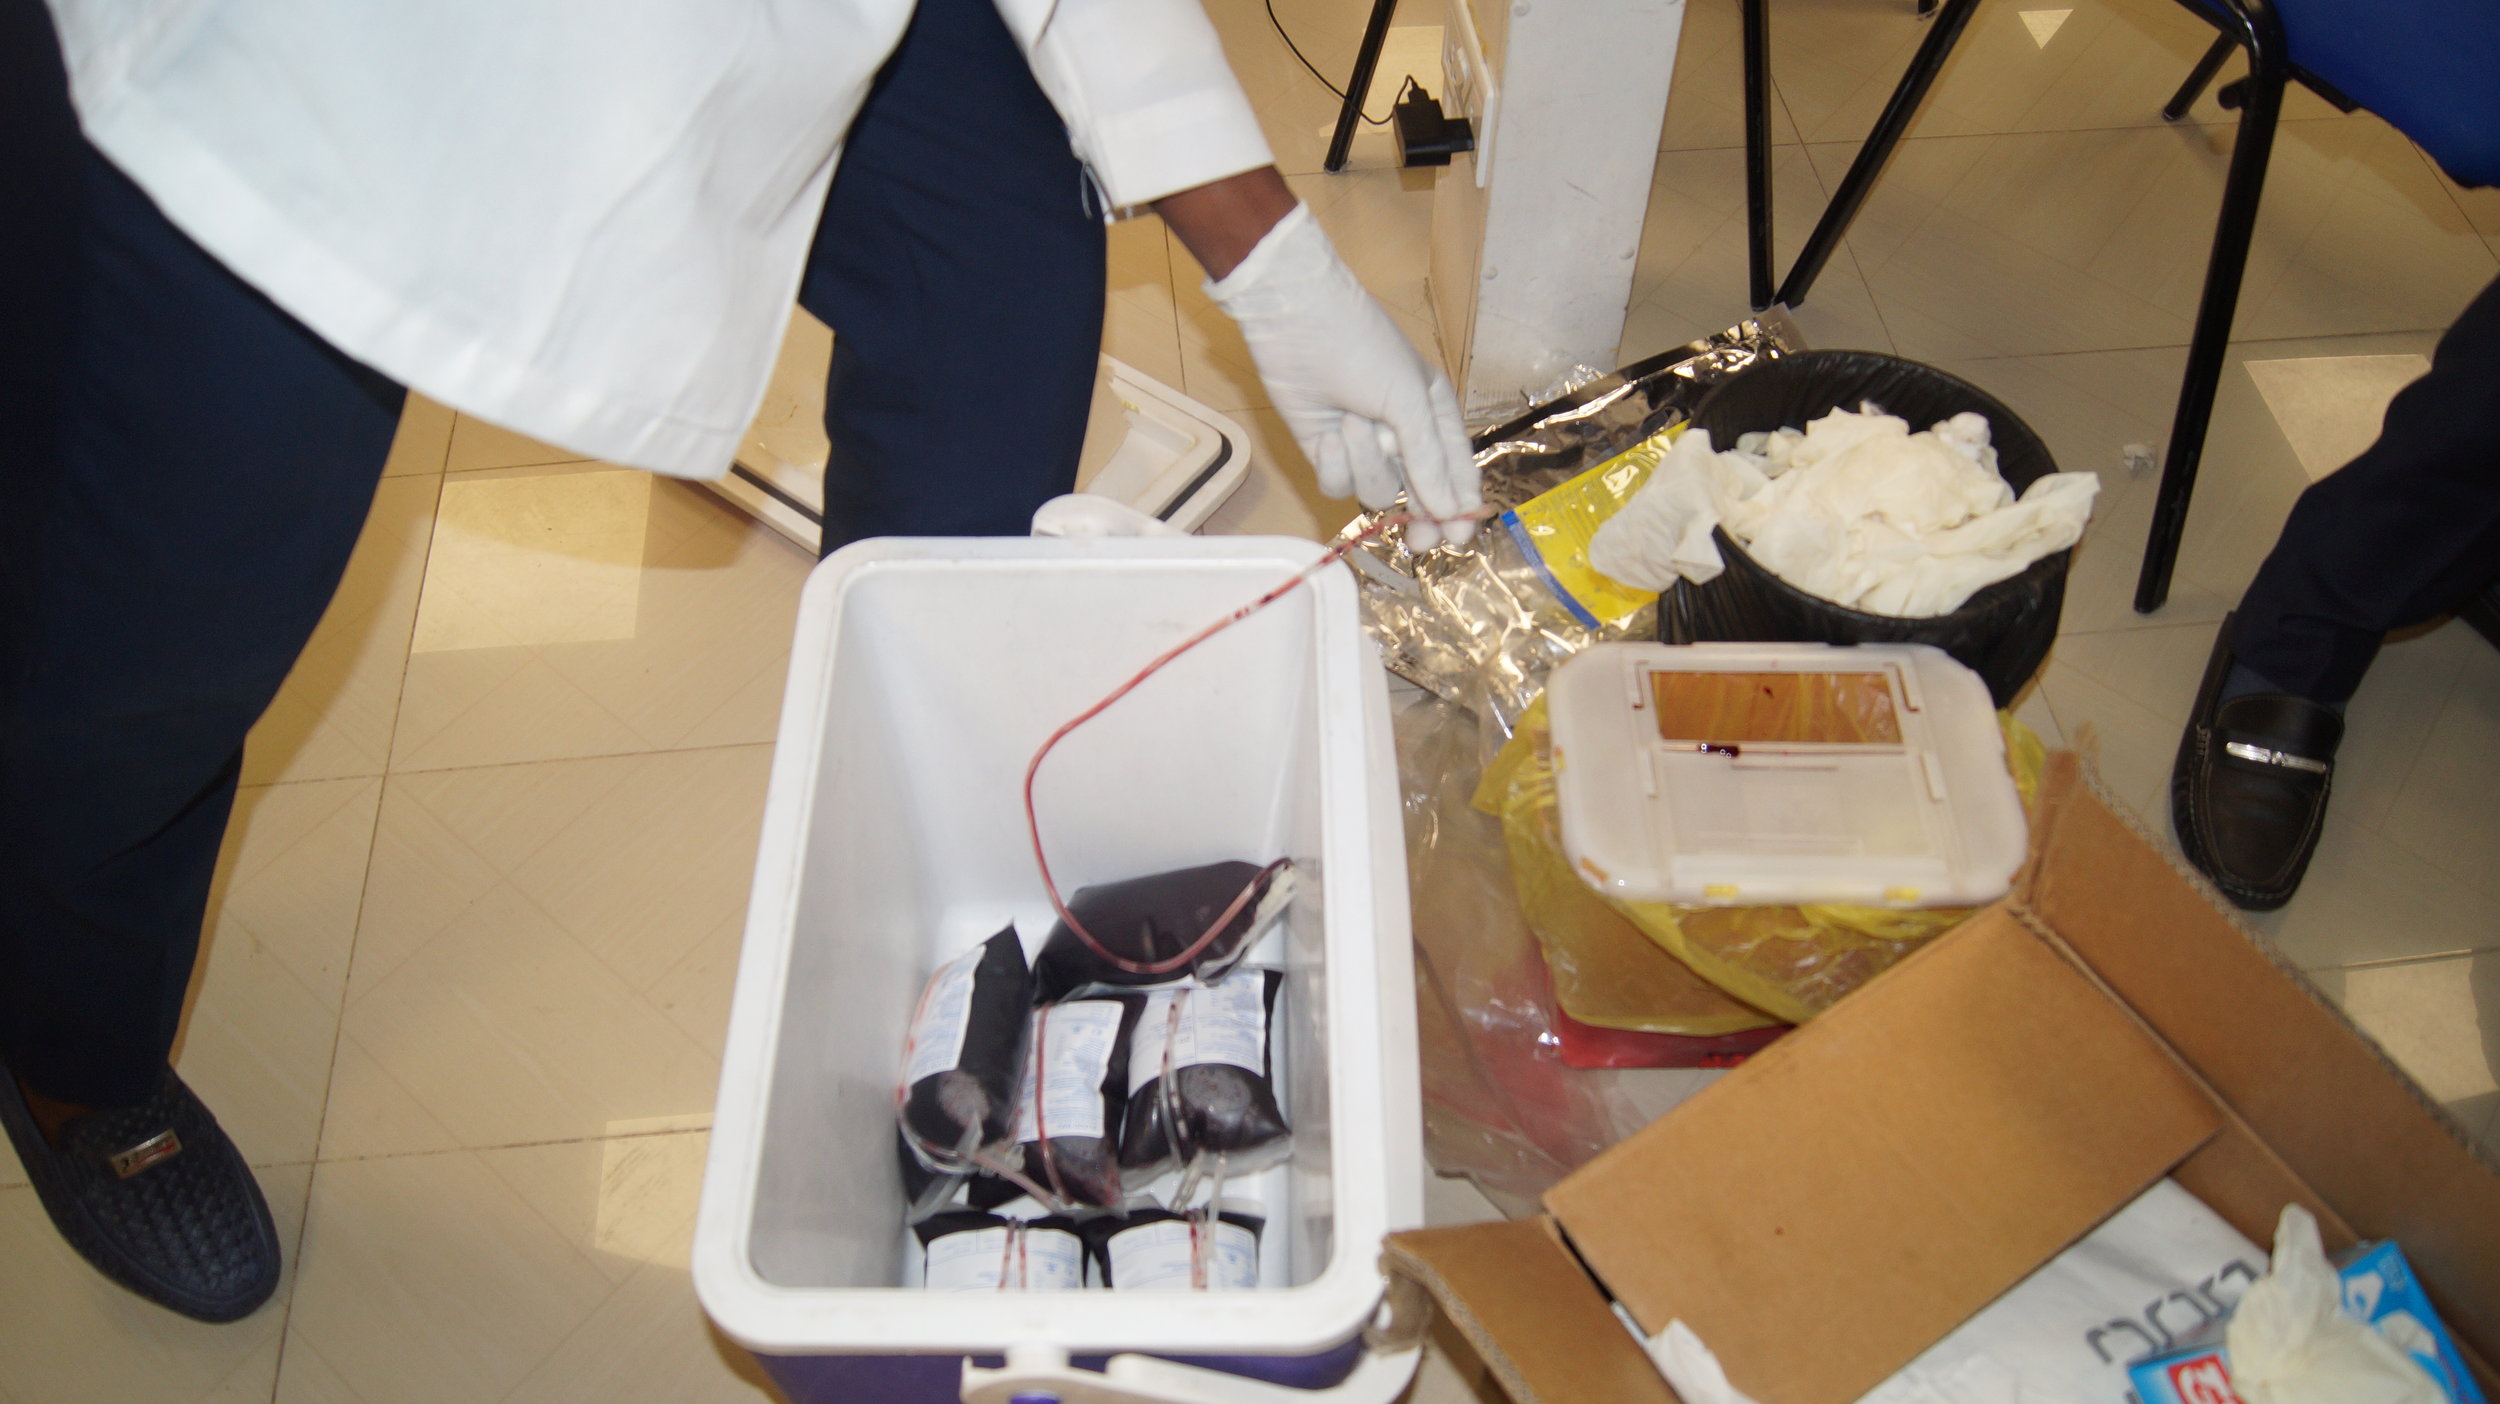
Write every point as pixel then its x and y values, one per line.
pixel 1201 1080
pixel 1146 927
pixel 964 1056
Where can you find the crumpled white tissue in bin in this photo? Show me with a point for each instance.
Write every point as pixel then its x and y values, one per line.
pixel 1855 509
pixel 2291 1342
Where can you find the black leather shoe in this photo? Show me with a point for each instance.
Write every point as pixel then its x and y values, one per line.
pixel 2248 792
pixel 156 1198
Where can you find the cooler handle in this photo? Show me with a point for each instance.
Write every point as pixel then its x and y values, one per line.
pixel 1042 1375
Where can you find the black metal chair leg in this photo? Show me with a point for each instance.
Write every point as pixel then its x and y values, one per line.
pixel 2202 74
pixel 1359 86
pixel 1854 187
pixel 1758 150
pixel 2211 343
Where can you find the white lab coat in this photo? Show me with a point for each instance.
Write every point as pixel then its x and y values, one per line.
pixel 584 222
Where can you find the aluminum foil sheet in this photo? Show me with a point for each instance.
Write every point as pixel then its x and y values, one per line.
pixel 1478 624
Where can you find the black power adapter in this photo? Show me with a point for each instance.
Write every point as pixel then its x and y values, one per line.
pixel 1425 136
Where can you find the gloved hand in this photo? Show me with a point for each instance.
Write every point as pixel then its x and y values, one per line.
pixel 1368 410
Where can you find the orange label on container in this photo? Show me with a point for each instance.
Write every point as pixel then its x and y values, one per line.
pixel 1727 709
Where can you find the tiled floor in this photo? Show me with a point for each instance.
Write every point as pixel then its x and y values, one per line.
pixel 469 968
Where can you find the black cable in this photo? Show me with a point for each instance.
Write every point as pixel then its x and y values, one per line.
pixel 1334 90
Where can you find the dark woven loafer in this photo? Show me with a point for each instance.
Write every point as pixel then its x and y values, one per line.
pixel 156 1198
pixel 2248 791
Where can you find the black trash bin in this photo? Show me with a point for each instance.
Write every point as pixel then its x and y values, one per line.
pixel 2001 633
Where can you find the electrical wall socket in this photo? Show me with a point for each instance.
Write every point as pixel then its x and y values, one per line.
pixel 1472 90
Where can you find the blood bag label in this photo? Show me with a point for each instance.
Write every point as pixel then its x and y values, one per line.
pixel 1220 1023
pixel 1159 1256
pixel 937 1029
pixel 999 1259
pixel 1063 1095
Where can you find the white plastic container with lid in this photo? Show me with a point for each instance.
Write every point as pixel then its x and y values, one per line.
pixel 1764 774
pixel 924 675
pixel 1146 445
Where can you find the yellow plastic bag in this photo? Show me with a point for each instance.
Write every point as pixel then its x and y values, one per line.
pixel 1556 526
pixel 1786 963
pixel 1606 971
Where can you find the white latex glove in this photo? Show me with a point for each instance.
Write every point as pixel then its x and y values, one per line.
pixel 1368 410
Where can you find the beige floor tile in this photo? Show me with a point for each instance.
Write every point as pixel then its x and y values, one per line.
pixel 659 863
pixel 67 1336
pixel 2086 240
pixel 2366 898
pixel 2253 473
pixel 1690 279
pixel 334 715
pixel 304 1377
pixel 1994 245
pixel 264 1021
pixel 1833 61
pixel 1706 104
pixel 1141 323
pixel 695 991
pixel 2155 669
pixel 539 1273
pixel 1281 496
pixel 2381 245
pixel 2481 207
pixel 2100 588
pixel 2449 807
pixel 2129 743
pixel 711 604
pixel 789 425
pixel 2032 709
pixel 2106 63
pixel 546 949
pixel 504 1029
pixel 1294 110
pixel 524 559
pixel 2439 1019
pixel 478 444
pixel 2330 407
pixel 1381 223
pixel 424 439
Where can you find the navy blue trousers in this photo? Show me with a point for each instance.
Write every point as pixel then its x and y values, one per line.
pixel 184 469
pixel 2408 530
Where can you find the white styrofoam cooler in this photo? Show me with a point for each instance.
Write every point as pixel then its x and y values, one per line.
pixel 924 675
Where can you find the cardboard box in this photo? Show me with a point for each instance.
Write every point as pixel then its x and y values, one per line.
pixel 1840 1203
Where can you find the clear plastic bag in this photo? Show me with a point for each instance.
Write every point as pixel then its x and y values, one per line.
pixel 1500 1105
